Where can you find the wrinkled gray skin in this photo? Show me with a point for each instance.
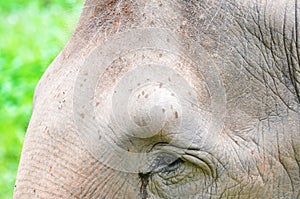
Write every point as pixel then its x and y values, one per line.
pixel 240 62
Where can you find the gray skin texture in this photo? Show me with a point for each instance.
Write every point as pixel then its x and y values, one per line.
pixel 235 93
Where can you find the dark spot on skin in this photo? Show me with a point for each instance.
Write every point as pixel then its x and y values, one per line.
pixel 15 186
pixel 160 85
pixel 110 3
pixel 144 182
pixel 50 169
pixel 146 96
pixel 143 92
pixel 172 94
pixel 97 103
pixel 34 191
pixel 168 40
pixel 169 79
pixel 163 110
pixel 127 9
pixel 139 84
pixel 160 55
pixel 82 115
pixel 116 22
pixel 176 114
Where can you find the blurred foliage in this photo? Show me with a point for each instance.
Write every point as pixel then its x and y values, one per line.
pixel 32 33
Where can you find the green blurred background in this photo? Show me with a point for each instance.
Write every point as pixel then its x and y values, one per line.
pixel 32 33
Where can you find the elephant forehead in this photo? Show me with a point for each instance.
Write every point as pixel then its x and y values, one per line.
pixel 149 89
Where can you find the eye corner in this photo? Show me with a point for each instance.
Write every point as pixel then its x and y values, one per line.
pixel 144 175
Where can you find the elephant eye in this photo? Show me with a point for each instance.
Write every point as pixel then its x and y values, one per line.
pixel 166 163
pixel 173 165
pixel 174 172
pixel 170 167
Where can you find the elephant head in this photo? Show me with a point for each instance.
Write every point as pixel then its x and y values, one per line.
pixel 170 99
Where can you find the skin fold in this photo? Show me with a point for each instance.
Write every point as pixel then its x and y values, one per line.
pixel 170 99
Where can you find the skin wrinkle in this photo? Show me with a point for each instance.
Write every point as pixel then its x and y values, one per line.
pixel 92 185
pixel 276 56
pixel 293 79
pixel 295 174
pixel 265 80
pixel 244 165
pixel 266 71
pixel 253 75
pixel 297 35
pixel 296 156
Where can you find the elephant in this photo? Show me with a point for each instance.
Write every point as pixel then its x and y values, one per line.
pixel 169 99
